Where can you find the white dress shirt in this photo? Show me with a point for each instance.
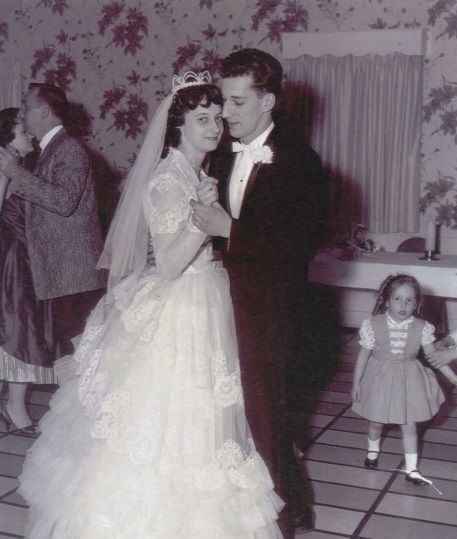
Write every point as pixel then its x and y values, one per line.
pixel 241 172
pixel 47 138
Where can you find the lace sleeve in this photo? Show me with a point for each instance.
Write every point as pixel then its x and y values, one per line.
pixel 428 334
pixel 168 207
pixel 174 237
pixel 366 333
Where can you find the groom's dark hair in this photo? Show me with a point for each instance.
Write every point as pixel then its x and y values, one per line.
pixel 53 96
pixel 266 70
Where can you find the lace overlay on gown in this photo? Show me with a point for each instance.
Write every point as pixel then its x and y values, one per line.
pixel 156 442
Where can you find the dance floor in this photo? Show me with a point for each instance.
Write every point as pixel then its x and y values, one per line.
pixel 350 500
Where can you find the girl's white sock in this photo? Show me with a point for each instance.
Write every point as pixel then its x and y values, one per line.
pixel 410 462
pixel 373 448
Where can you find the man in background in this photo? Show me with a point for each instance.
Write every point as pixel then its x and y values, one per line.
pixel 62 227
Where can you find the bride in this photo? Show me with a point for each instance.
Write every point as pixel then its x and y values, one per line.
pixel 149 438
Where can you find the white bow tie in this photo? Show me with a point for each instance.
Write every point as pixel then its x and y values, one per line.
pixel 239 147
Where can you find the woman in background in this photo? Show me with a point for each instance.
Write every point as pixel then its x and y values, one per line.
pixel 27 346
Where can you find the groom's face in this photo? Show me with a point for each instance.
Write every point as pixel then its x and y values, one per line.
pixel 247 113
pixel 31 113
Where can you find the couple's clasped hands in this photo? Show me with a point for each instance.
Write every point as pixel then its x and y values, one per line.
pixel 445 353
pixel 207 214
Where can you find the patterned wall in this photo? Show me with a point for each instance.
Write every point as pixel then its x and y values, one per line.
pixel 116 58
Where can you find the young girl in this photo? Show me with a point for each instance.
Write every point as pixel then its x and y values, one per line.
pixel 390 384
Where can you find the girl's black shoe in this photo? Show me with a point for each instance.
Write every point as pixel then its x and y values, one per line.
pixel 372 463
pixel 416 478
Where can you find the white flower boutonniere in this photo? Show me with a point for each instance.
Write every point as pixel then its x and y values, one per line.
pixel 264 154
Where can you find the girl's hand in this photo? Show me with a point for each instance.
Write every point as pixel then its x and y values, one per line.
pixel 207 191
pixel 356 393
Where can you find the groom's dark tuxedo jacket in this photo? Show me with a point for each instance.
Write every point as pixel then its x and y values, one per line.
pixel 267 258
pixel 281 214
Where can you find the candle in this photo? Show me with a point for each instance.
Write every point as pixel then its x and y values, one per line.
pixel 430 235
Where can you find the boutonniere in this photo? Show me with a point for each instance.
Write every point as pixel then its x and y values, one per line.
pixel 264 154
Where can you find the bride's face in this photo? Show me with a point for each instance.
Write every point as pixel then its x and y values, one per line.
pixel 202 129
pixel 22 141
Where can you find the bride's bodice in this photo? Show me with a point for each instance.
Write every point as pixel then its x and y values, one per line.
pixel 202 261
pixel 179 246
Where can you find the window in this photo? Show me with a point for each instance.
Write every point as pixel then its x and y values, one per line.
pixel 358 100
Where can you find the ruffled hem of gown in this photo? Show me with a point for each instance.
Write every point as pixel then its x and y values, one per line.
pixel 147 477
pixel 60 459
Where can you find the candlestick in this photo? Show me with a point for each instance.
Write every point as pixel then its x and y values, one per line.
pixel 430 235
pixel 429 255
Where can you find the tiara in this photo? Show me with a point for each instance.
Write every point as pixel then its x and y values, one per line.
pixel 190 79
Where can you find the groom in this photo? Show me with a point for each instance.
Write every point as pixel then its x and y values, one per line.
pixel 269 185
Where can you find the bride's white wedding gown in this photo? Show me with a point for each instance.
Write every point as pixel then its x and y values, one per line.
pixel 149 440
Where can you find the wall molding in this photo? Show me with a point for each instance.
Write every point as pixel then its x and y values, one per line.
pixel 383 42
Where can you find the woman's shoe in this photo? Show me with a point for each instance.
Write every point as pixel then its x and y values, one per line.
pixel 416 478
pixel 30 430
pixel 372 463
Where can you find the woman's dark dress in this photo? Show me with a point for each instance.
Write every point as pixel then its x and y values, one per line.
pixel 28 347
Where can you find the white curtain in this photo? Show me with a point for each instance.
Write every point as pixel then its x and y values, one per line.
pixel 363 115
pixel 10 83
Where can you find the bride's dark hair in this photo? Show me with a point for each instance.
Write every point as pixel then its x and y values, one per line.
pixel 185 100
pixel 8 121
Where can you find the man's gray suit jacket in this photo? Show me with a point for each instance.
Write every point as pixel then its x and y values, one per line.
pixel 62 226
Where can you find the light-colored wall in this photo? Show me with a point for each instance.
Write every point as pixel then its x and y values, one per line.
pixel 117 60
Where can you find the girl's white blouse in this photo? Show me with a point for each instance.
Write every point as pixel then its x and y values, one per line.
pixel 398 333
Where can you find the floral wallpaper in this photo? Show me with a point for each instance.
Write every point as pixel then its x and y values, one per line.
pixel 116 58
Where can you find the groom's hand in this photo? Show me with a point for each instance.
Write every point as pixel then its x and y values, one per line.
pixel 212 220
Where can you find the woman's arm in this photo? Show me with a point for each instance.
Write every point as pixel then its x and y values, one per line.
pixel 440 358
pixel 429 350
pixel 445 354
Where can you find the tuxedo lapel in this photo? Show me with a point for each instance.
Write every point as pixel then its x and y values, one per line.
pixel 222 168
pixel 251 181
pixel 258 169
pixel 229 166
